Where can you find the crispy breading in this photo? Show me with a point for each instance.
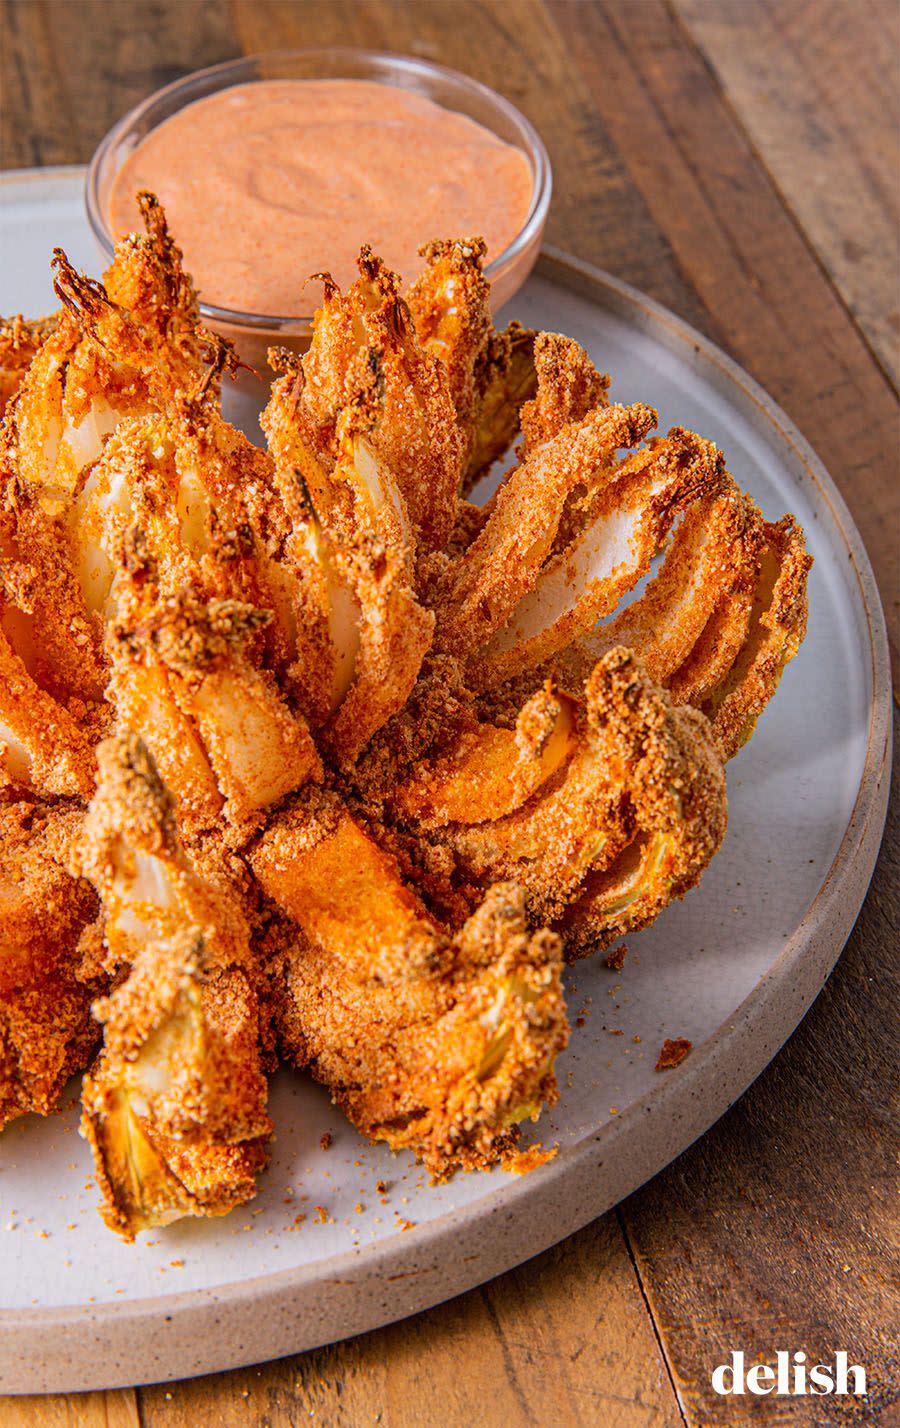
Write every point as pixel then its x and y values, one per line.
pixel 487 582
pixel 214 712
pixel 379 762
pixel 445 1064
pixel 715 548
pixel 777 629
pixel 567 387
pixel 100 364
pixel 369 335
pixel 108 355
pixel 450 304
pixel 46 1029
pixel 19 341
pixel 366 619
pixel 489 771
pixel 43 748
pixel 664 760
pixel 626 744
pixel 317 863
pixel 623 525
pixel 505 378
pixel 181 1064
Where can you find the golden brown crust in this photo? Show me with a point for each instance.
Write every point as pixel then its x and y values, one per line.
pixel 621 526
pixel 46 1030
pixel 664 760
pixel 363 341
pixel 715 547
pixel 390 763
pixel 451 309
pixel 316 862
pixel 489 771
pixel 47 1035
pixel 483 588
pixel 148 1179
pixel 567 387
pixel 445 1065
pixel 506 378
pixel 777 627
pixel 19 341
pixel 672 1053
pixel 638 776
pixel 181 1065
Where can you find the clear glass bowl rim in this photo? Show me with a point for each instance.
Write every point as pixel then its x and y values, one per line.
pixel 246 65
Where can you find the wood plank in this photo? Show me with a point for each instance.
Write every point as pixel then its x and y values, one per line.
pixel 114 1409
pixel 766 298
pixel 778 1229
pixel 826 127
pixel 70 68
pixel 564 1340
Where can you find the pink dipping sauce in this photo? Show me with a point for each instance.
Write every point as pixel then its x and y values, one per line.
pixel 266 183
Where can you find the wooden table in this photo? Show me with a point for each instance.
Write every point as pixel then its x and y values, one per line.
pixel 736 159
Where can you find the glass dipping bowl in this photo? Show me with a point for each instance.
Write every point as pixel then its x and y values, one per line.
pixel 252 333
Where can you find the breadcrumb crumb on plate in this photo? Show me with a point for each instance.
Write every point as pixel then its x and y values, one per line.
pixel 522 1162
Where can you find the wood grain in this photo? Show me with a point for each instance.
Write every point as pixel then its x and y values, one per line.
pixel 779 1229
pixel 686 139
pixel 115 1409
pixel 827 128
pixel 75 66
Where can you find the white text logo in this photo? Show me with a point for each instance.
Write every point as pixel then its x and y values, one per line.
pixel 791 1376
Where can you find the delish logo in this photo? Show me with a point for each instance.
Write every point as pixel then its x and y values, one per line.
pixel 790 1377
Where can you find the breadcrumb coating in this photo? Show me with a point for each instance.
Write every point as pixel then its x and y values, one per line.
pixel 447 1063
pixel 304 754
pixel 46 1029
pixel 19 341
pixel 505 379
pixel 181 1070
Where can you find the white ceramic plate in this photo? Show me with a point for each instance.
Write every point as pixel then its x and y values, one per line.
pixel 733 967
